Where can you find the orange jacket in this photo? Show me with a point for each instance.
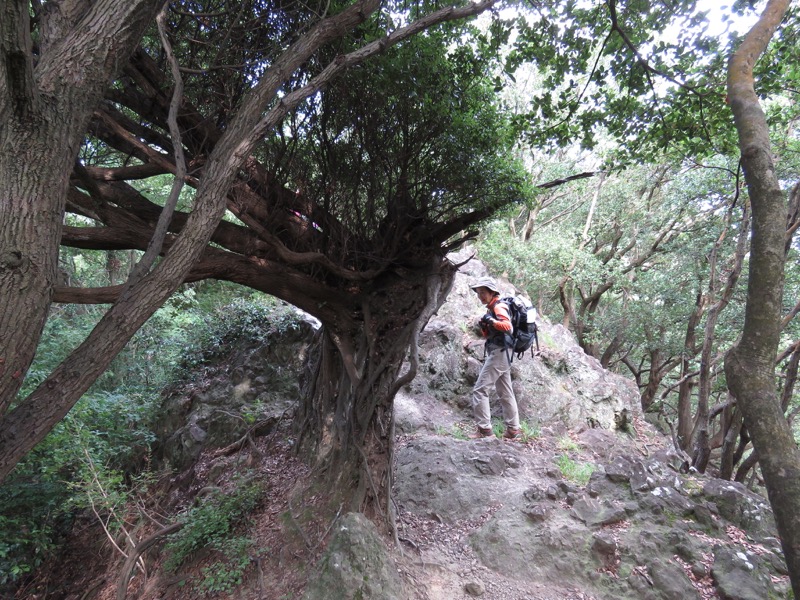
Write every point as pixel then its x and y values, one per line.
pixel 502 320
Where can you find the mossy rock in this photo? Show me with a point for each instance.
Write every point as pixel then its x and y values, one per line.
pixel 356 565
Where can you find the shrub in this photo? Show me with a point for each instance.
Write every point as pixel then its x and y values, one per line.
pixel 226 575
pixel 30 521
pixel 210 523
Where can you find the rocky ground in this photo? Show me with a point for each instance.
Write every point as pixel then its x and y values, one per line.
pixel 443 563
pixel 591 503
pixel 484 518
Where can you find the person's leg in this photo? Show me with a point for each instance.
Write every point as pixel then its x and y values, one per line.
pixel 505 393
pixel 480 393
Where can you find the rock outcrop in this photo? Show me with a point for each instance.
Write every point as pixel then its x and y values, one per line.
pixel 250 390
pixel 561 388
pixel 636 529
pixel 357 564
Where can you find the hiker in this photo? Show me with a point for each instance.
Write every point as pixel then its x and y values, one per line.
pixel 496 327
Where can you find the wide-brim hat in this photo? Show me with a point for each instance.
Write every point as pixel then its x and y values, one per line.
pixel 486 282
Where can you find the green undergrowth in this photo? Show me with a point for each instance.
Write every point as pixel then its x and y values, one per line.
pixel 212 525
pixel 573 470
pixel 98 457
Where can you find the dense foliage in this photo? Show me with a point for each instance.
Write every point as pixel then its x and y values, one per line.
pixel 642 256
pixel 99 458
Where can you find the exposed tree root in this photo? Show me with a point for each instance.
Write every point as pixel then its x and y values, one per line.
pixel 133 556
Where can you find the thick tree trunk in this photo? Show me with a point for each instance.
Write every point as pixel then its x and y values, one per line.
pixel 29 238
pixel 44 111
pixel 345 422
pixel 750 365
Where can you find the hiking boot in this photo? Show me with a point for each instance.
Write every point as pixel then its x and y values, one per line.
pixel 511 433
pixel 482 432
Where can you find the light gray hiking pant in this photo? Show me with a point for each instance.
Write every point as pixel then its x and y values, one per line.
pixel 496 371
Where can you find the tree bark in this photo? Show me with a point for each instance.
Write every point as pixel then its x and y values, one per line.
pixel 747 465
pixel 750 365
pixel 346 420
pixel 732 433
pixel 685 420
pixel 790 377
pixel 656 374
pixel 44 111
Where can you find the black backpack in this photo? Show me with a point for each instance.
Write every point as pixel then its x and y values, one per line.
pixel 525 332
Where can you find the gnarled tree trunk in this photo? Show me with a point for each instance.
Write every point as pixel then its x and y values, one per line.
pixel 45 109
pixel 99 41
pixel 346 419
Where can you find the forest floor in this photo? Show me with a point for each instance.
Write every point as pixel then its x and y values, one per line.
pixel 434 557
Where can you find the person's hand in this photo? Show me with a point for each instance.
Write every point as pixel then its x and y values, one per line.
pixel 485 323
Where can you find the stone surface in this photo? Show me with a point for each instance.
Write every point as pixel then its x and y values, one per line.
pixel 475 588
pixel 258 383
pixel 741 507
pixel 619 470
pixel 562 386
pixel 356 564
pixel 598 512
pixel 737 577
pixel 453 479
pixel 671 582
pixel 613 542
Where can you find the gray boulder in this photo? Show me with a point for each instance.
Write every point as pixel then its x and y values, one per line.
pixel 595 512
pixel 256 386
pixel 738 575
pixel 741 507
pixel 670 581
pixel 562 386
pixel 356 564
